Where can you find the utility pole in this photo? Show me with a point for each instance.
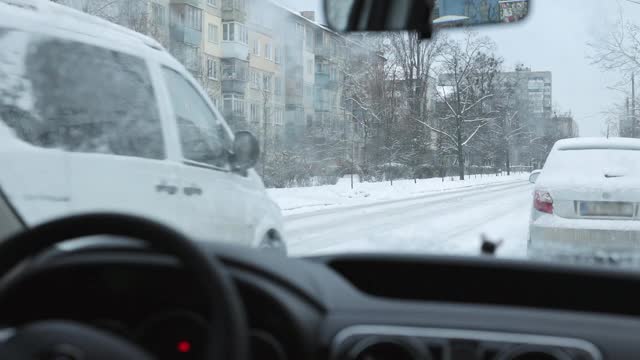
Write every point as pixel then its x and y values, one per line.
pixel 266 99
pixel 633 106
pixel 627 117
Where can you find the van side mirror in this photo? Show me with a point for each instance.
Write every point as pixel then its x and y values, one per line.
pixel 246 151
pixel 534 176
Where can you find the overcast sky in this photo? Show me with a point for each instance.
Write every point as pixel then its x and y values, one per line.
pixel 554 38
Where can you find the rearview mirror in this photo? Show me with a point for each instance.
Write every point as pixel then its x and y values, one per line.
pixel 246 151
pixel 534 176
pixel 420 15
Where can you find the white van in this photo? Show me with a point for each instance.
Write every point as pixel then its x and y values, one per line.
pixel 95 117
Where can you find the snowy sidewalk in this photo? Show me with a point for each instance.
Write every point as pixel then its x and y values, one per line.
pixel 315 198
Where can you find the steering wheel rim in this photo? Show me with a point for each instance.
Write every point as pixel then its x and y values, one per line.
pixel 227 327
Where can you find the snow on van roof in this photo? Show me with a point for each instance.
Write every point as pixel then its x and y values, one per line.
pixel 598 143
pixel 100 28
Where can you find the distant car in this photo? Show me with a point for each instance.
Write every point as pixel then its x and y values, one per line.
pixel 586 198
pixel 96 117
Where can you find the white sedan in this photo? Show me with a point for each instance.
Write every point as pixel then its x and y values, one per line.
pixel 585 200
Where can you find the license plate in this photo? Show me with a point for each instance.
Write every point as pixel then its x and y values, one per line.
pixel 606 208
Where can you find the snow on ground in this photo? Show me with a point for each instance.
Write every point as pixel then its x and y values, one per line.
pixel 306 199
pixel 428 219
pixel 448 224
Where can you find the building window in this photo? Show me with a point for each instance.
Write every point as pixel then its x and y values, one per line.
pixel 233 4
pixel 278 116
pixel 213 3
pixel 254 76
pixel 310 67
pixel 234 103
pixel 256 47
pixel 267 52
pixel 192 57
pixel 268 115
pixel 158 14
pixel 278 55
pixel 277 85
pixel 233 31
pixel 333 73
pixel 266 82
pixel 308 38
pixel 193 17
pixel 254 113
pixel 212 31
pixel 322 68
pixel 233 71
pixel 212 69
pixel 300 28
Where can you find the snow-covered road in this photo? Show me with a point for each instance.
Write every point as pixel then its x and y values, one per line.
pixel 450 223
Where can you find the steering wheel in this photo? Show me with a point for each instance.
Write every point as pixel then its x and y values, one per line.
pixel 227 328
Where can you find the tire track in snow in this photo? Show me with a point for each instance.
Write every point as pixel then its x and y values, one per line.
pixel 314 233
pixel 416 197
pixel 301 224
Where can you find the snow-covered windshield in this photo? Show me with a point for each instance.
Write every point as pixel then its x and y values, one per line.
pixel 63 94
pixel 369 142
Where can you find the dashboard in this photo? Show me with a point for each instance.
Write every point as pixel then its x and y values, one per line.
pixel 348 307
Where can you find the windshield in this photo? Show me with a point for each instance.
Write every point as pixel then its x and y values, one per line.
pixel 368 142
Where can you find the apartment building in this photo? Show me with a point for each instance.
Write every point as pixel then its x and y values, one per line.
pixel 267 68
pixel 212 51
pixel 265 96
pixel 533 89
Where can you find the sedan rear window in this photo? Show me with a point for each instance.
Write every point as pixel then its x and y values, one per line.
pixel 56 93
pixel 598 162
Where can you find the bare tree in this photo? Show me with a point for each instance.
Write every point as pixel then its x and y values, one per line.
pixel 267 118
pixel 466 75
pixel 412 62
pixel 619 49
pixel 616 117
pixel 362 76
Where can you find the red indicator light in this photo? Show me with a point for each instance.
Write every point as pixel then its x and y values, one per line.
pixel 184 346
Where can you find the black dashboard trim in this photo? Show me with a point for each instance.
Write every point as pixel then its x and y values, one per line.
pixel 275 279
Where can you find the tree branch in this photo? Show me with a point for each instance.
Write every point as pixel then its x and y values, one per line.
pixel 438 131
pixel 474 133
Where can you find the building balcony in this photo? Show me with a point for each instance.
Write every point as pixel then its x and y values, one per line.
pixel 183 34
pixel 234 86
pixel 237 121
pixel 323 80
pixel 294 100
pixel 195 3
pixel 234 75
pixel 324 52
pixel 322 106
pixel 237 50
pixel 234 14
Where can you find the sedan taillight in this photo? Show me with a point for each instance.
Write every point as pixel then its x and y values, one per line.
pixel 543 202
